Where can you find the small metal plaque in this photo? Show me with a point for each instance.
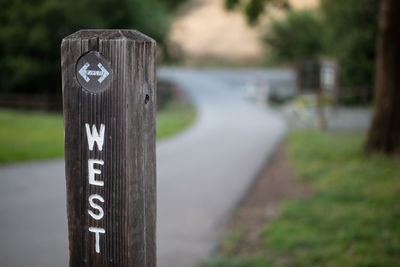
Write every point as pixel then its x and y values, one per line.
pixel 93 72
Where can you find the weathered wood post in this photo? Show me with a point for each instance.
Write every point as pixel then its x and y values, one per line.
pixel 108 81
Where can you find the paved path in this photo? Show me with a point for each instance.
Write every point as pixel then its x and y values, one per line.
pixel 214 162
pixel 202 174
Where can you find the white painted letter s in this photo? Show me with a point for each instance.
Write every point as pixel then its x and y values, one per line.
pixel 95 206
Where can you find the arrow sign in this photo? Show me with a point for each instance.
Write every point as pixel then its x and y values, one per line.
pixel 85 73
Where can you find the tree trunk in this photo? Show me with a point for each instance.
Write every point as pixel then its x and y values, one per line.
pixel 384 133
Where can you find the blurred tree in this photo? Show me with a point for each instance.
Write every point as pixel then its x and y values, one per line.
pixel 342 29
pixel 31 33
pixel 253 9
pixel 173 4
pixel 297 36
pixel 350 31
pixel 384 134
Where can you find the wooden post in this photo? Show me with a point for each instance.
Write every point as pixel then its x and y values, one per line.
pixel 108 81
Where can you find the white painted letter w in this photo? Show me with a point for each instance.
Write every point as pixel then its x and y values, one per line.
pixel 94 136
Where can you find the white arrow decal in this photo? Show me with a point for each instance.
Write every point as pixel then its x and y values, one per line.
pixel 85 73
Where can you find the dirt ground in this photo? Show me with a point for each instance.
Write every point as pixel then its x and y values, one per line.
pixel 275 184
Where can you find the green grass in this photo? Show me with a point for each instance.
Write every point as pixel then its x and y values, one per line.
pixel 37 135
pixel 175 117
pixel 238 261
pixel 353 217
pixel 30 135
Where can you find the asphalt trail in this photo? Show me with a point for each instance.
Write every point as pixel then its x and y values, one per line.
pixel 202 174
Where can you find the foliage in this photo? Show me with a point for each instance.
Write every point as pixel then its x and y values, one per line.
pixel 174 4
pixel 30 36
pixel 31 33
pixel 352 217
pixel 351 30
pixel 343 29
pixel 253 9
pixel 299 35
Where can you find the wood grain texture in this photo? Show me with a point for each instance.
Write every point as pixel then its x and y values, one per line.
pixel 127 108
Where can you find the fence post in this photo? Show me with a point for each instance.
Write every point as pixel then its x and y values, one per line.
pixel 108 81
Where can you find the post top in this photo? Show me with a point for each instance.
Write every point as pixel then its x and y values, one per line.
pixel 132 35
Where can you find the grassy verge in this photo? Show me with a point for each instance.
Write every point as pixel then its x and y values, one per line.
pixel 175 117
pixel 353 217
pixel 36 135
pixel 30 135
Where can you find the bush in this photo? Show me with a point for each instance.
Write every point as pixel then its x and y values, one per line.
pixel 295 37
pixel 342 29
pixel 350 36
pixel 31 33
